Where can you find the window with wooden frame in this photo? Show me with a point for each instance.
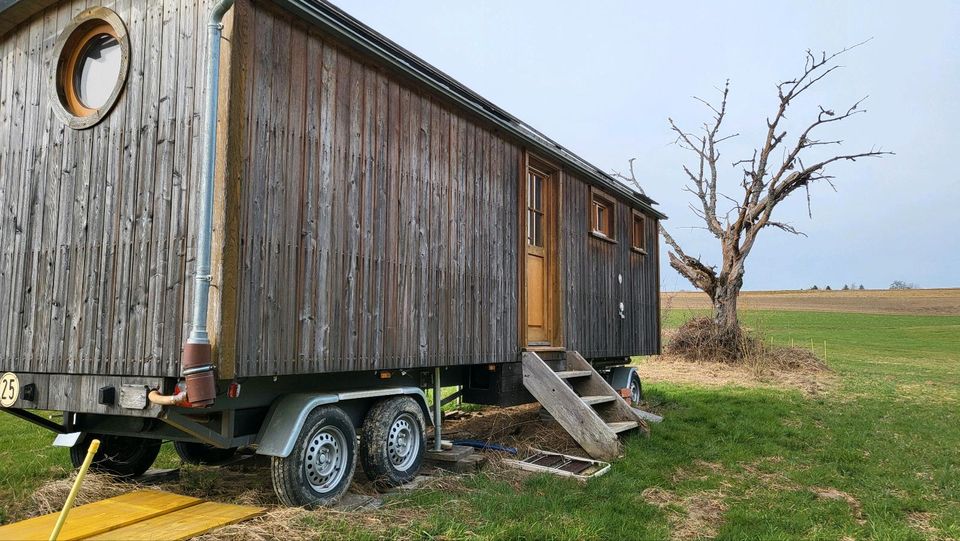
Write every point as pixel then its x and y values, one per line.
pixel 602 214
pixel 638 233
pixel 92 56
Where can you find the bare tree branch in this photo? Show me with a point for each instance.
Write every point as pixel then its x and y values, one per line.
pixel 632 180
pixel 774 172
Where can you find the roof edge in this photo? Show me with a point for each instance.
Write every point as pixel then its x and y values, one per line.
pixel 14 12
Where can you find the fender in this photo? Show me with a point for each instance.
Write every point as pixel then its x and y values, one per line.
pixel 620 377
pixel 283 423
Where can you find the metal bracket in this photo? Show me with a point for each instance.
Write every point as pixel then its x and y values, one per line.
pixel 36 419
pixel 451 398
pixel 201 432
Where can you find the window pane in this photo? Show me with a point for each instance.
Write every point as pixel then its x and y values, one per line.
pixel 538 220
pixel 534 192
pixel 98 71
pixel 530 226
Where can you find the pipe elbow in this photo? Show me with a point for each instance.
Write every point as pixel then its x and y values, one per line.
pixel 167 400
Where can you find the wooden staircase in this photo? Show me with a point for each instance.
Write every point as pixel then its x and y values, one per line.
pixel 584 404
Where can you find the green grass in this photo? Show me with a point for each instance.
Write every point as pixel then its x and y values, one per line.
pixel 885 440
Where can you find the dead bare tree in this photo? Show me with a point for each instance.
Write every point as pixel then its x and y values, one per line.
pixel 769 176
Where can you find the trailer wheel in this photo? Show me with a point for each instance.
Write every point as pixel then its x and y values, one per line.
pixel 121 456
pixel 392 441
pixel 320 468
pixel 201 454
pixel 636 389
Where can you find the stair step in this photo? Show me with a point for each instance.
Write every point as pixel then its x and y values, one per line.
pixel 599 399
pixel 622 426
pixel 568 374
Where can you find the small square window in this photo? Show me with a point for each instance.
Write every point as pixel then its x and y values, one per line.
pixel 602 211
pixel 638 233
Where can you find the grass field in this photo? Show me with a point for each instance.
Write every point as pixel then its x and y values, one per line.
pixel 874 455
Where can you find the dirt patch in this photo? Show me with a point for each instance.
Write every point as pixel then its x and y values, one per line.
pixel 921 302
pixel 922 523
pixel 833 494
pixel 691 517
pixel 673 369
pixel 765 479
pixel 700 470
pixel 522 427
pixel 699 515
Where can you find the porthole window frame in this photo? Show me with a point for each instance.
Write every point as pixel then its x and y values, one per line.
pixel 71 44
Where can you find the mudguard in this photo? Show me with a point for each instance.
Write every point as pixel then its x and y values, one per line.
pixel 620 376
pixel 283 423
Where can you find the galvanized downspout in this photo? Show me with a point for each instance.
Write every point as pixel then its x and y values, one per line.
pixel 197 366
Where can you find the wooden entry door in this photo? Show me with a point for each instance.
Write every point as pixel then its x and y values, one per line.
pixel 540 312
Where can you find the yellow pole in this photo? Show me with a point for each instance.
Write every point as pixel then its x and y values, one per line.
pixel 94 445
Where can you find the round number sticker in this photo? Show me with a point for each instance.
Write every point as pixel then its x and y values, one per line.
pixel 9 389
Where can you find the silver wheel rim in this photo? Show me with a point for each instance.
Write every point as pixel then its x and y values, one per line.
pixel 403 442
pixel 325 459
pixel 634 392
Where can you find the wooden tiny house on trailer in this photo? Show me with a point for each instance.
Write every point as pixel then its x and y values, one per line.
pixel 324 218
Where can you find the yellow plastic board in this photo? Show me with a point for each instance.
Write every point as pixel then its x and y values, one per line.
pixel 183 524
pixel 100 517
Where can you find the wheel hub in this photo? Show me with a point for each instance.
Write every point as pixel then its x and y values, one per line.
pixel 403 442
pixel 325 460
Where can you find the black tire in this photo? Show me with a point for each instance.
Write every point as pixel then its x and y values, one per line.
pixel 321 466
pixel 201 454
pixel 636 389
pixel 392 441
pixel 120 456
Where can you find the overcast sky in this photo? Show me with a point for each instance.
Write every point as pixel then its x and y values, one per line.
pixel 602 78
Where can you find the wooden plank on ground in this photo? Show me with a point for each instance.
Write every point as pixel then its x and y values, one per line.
pixel 101 517
pixel 184 523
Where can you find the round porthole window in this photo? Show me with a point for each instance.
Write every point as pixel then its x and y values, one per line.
pixel 91 68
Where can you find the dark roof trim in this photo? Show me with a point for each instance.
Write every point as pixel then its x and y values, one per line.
pixel 337 22
pixel 14 12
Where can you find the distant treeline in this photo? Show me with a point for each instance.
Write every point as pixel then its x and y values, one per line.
pixel 897 284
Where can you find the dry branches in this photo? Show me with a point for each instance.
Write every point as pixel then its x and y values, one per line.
pixel 775 170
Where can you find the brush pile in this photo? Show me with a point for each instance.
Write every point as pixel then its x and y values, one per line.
pixel 701 340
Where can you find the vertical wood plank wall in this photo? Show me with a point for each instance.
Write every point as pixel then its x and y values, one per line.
pixel 366 223
pixel 378 226
pixel 95 234
pixel 592 292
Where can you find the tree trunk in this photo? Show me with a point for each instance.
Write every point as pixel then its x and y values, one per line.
pixel 725 307
pixel 727 290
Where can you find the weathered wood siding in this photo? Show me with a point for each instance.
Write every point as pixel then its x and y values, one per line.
pixel 95 235
pixel 363 222
pixel 592 291
pixel 378 225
